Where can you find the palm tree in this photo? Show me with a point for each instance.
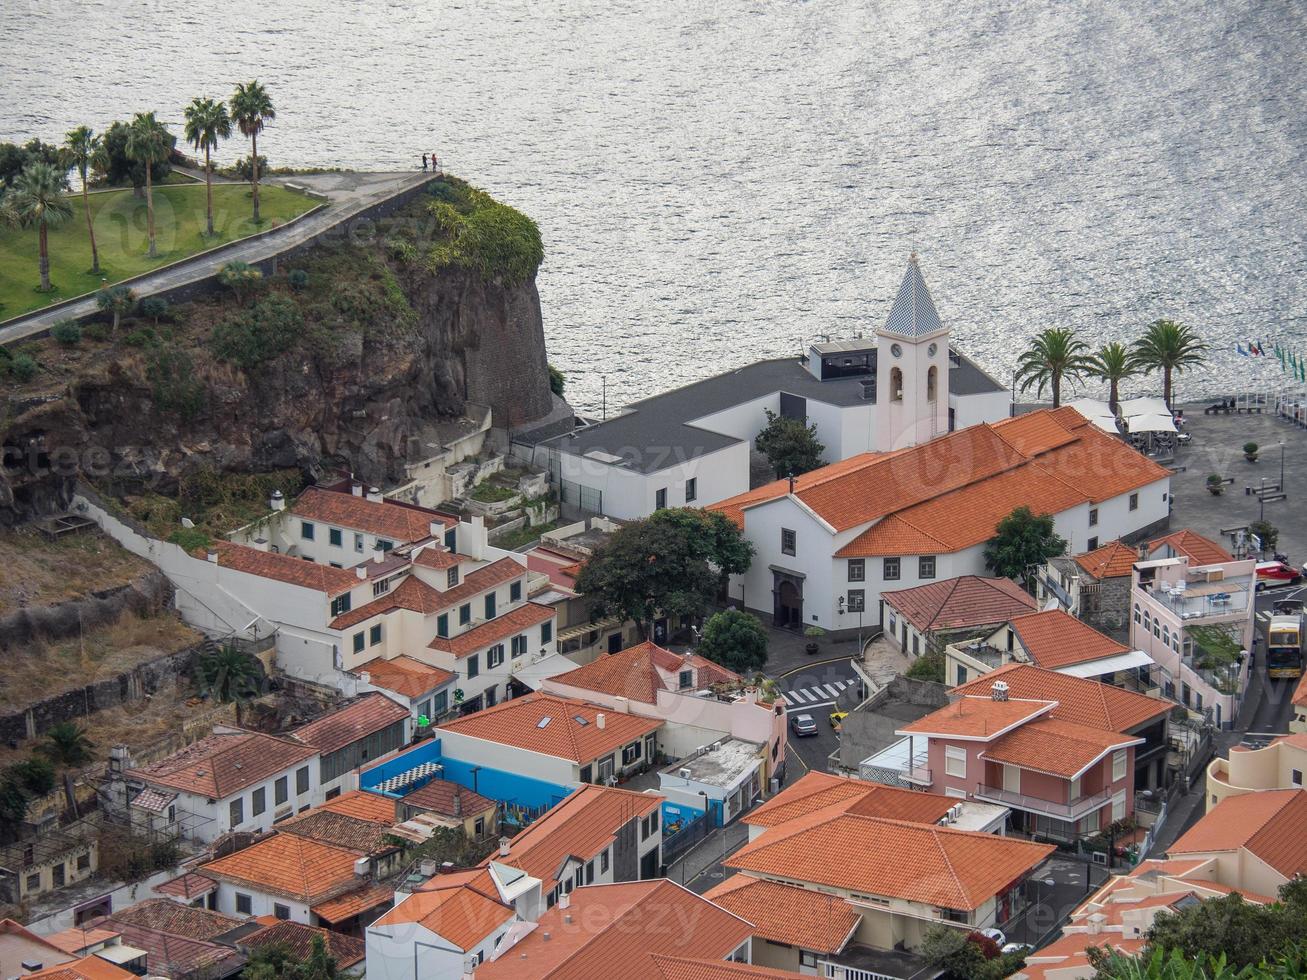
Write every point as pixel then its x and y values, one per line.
pixel 1113 363
pixel 1171 348
pixel 1054 354
pixel 230 675
pixel 148 143
pixel 251 109
pixel 116 301
pixel 82 147
pixel 37 198
pixel 207 122
pixel 67 744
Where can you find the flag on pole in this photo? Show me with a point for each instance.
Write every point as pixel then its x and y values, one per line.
pixel 1239 348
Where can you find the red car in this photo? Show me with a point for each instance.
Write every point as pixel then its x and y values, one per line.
pixel 1271 574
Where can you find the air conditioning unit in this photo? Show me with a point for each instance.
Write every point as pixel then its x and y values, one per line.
pixel 685 773
pixel 955 812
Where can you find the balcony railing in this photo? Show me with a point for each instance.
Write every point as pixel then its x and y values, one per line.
pixel 1230 600
pixel 917 773
pixel 1048 808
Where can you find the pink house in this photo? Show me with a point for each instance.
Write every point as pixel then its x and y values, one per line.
pixel 1061 779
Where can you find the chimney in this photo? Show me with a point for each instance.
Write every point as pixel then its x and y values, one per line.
pixel 378 556
pixel 600 720
pixel 278 501
pixel 361 571
pixel 622 705
pixel 437 530
pixel 212 555
pixel 374 494
pixel 545 937
pixel 503 847
pixel 791 483
pixel 362 866
pixel 1000 690
pixel 260 544
pixel 565 901
pixel 458 802
pixel 365 677
pixel 356 488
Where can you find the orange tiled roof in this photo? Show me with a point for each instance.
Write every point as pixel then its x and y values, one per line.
pixel 224 763
pixel 187 887
pixel 633 673
pixel 494 630
pixel 438 558
pixel 1112 560
pixel 1192 545
pixel 956 603
pixel 518 723
pixel 1079 699
pixel 818 790
pixel 954 869
pixel 86 968
pixel 298 940
pixel 1058 748
pixel 617 930
pixel 417 596
pixel 581 826
pixel 354 903
pixel 73 941
pixel 340 829
pixel 1033 433
pixel 976 717
pixel 401 523
pixel 362 805
pixel 284 568
pixel 1056 639
pixel 285 864
pixel 683 968
pixel 364 716
pixel 439 796
pixel 405 676
pixel 1269 824
pixel 457 911
pixel 166 916
pixel 787 913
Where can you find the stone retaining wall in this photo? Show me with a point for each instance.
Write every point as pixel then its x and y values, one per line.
pixel 147 595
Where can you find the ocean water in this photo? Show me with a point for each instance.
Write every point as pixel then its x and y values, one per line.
pixel 719 182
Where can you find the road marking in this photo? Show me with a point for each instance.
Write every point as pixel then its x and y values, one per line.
pixel 833 690
pixel 801 697
pixel 819 704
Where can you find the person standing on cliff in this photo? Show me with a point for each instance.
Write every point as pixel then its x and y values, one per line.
pixel 424 161
pixel 433 161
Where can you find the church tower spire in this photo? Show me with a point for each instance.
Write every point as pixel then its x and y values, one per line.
pixel 912 367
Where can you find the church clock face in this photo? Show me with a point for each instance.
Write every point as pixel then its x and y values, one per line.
pixel 932 350
pixel 896 350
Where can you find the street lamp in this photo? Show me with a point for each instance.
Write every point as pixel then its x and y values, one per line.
pixel 1281 466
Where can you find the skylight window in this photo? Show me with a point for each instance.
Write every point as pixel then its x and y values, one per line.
pixel 543 722
pixel 579 720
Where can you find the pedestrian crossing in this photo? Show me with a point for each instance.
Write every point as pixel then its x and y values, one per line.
pixel 816 694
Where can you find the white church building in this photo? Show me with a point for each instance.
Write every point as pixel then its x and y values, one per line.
pixel 691 446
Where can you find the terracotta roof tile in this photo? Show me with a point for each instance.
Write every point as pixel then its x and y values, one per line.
pixel 86 968
pixel 1112 560
pixel 165 915
pixel 73 941
pixel 298 939
pixel 456 912
pixel 580 826
pixel 401 523
pixel 224 763
pixel 518 723
pixel 439 795
pixel 172 955
pixel 975 717
pixel 818 790
pixel 1269 824
pixel 1192 545
pixel 958 603
pixel 364 716
pixel 363 806
pixel 285 864
pixel 340 829
pixel 1033 433
pixel 417 596
pixel 405 676
pixel 617 930
pixel 439 558
pixel 187 887
pixel 495 630
pixel 954 869
pixel 1058 748
pixel 1079 699
pixel 284 568
pixel 355 903
pixel 1056 639
pixel 787 913
pixel 682 968
pixel 633 673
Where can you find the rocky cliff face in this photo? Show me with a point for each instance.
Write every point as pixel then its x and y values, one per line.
pixel 358 391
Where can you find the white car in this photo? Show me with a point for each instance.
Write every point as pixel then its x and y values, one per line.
pixel 996 935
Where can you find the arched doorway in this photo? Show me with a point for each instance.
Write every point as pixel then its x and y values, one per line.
pixel 788 593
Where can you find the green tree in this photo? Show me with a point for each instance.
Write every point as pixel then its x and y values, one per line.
pixel 251 110
pixel 1022 542
pixel 1242 932
pixel 37 201
pixel 149 142
pixel 320 965
pixel 82 145
pixel 271 962
pixel 1113 363
pixel 557 381
pixel 119 167
pixel 67 744
pixel 1171 348
pixel 671 563
pixel 229 675
pixel 241 278
pixel 790 445
pixel 1267 533
pixel 966 956
pixel 35 777
pixel 117 301
pixel 1055 355
pixel 734 639
pixel 14 159
pixel 207 122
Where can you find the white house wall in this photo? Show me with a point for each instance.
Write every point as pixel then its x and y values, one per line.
pixel 409 951
pixel 509 758
pixel 261 903
pixel 990 406
pixel 743 421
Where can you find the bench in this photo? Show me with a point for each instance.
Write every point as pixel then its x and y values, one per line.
pixel 1234 530
pixel 1270 498
pixel 1261 489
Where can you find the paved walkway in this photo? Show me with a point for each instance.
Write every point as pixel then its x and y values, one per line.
pixel 700 868
pixel 348 194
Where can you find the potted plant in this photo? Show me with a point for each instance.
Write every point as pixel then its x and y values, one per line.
pixel 813 633
pixel 1250 451
pixel 1215 485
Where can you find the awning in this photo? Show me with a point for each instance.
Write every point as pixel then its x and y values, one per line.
pixel 1144 406
pixel 1106 665
pixel 1150 423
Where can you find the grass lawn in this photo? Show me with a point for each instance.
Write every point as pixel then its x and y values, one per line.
pixel 120 233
